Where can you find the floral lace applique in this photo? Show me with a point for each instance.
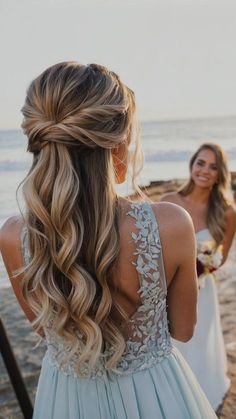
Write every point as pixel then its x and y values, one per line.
pixel 148 339
pixel 24 245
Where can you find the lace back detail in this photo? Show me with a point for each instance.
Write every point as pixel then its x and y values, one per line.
pixel 24 245
pixel 147 337
pixel 149 263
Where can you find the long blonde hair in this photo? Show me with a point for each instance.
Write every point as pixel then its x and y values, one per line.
pixel 74 115
pixel 218 201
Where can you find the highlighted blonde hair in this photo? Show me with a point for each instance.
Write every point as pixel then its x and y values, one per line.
pixel 218 202
pixel 74 115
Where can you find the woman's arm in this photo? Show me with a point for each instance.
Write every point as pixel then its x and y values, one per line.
pixel 179 253
pixel 10 247
pixel 229 233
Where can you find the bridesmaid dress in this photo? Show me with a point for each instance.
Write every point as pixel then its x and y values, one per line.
pixel 151 380
pixel 205 352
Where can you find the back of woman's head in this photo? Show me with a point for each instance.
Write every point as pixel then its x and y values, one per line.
pixel 74 115
pixel 70 103
pixel 218 201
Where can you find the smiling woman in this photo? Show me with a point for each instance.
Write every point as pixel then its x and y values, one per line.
pixel 204 169
pixel 204 196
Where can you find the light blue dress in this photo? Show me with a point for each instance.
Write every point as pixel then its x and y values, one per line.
pixel 151 381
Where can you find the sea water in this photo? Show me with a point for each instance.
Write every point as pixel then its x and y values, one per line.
pixel 167 147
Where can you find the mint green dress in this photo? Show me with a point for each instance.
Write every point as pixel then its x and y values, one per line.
pixel 151 381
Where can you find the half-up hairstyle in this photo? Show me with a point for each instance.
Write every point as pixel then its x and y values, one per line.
pixel 74 115
pixel 218 202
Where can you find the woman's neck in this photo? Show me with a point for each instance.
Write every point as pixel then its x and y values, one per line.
pixel 198 195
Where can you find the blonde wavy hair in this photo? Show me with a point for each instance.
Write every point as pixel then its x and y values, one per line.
pixel 218 201
pixel 74 115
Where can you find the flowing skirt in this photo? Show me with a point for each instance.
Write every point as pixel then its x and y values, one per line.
pixel 167 390
pixel 205 352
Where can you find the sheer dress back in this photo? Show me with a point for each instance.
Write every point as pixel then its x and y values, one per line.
pixel 147 336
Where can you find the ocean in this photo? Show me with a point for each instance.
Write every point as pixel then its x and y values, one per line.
pixel 167 147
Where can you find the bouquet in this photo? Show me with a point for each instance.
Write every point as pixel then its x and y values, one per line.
pixel 209 259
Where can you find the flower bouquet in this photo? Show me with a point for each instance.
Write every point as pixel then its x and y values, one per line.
pixel 209 259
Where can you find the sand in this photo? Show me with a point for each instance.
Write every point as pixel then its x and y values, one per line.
pixel 23 339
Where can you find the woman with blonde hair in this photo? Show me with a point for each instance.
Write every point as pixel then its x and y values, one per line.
pixel 98 268
pixel 204 196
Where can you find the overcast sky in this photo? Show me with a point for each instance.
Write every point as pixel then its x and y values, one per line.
pixel 179 56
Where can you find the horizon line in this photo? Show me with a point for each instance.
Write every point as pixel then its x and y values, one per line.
pixel 161 120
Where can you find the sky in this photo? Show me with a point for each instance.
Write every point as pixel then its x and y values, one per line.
pixel 179 56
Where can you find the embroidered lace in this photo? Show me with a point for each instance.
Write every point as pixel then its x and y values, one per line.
pixel 148 340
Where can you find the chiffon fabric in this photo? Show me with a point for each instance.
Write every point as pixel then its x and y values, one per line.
pixel 151 380
pixel 205 352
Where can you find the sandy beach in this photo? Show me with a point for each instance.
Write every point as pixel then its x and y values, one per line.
pixel 24 339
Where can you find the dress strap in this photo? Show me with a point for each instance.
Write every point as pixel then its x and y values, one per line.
pixel 24 245
pixel 149 262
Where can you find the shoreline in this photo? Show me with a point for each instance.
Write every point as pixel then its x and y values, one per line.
pixel 23 339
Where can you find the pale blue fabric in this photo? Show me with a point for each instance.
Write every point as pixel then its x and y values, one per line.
pixel 151 381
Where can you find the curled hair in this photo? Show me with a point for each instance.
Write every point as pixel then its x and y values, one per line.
pixel 74 115
pixel 218 202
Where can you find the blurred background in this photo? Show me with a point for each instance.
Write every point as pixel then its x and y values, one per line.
pixel 179 56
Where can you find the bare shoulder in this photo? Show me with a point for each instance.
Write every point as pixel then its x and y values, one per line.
pixel 172 214
pixel 13 222
pixel 12 257
pixel 231 212
pixel 171 197
pixel 231 216
pixel 10 230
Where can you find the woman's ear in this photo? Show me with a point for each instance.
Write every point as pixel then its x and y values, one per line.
pixel 120 161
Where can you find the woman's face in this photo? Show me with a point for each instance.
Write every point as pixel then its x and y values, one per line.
pixel 204 171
